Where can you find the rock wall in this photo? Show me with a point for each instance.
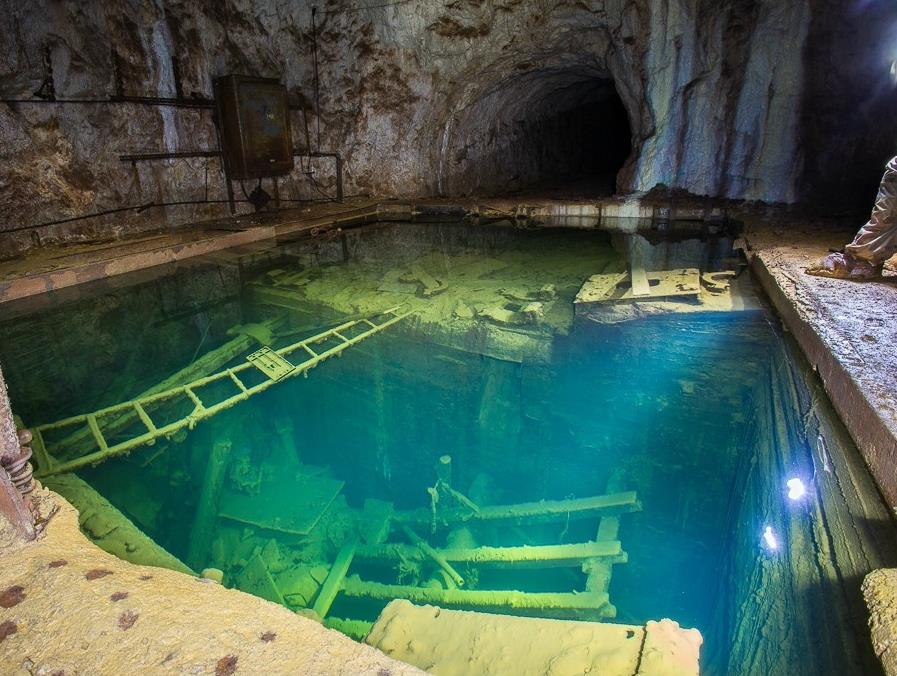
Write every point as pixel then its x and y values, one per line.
pixel 439 98
pixel 824 544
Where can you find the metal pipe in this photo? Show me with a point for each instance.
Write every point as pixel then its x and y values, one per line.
pixel 141 157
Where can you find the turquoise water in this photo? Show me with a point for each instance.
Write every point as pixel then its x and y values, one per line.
pixel 532 401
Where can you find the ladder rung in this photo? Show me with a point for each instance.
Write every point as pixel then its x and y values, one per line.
pixel 237 381
pixel 95 430
pixel 144 417
pixel 340 336
pixel 196 400
pixel 309 350
pixel 370 323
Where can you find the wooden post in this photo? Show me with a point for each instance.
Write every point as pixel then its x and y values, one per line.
pixel 207 510
pixel 444 469
pixel 335 578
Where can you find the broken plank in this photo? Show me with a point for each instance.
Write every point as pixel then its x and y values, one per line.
pixel 335 578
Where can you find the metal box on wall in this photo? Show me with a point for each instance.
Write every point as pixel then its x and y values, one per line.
pixel 254 120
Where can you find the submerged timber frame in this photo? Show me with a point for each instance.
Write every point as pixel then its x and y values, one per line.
pixel 595 558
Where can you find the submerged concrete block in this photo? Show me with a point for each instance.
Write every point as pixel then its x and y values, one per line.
pixel 461 642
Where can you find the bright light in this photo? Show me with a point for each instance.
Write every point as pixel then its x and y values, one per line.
pixel 894 72
pixel 796 489
pixel 770 539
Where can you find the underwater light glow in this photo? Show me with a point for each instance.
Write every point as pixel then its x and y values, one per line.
pixel 770 539
pixel 796 489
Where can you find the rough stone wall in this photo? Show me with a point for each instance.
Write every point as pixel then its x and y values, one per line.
pixel 428 97
pixel 827 543
pixel 849 109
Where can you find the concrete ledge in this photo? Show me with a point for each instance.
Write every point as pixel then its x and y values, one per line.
pixel 58 267
pixel 847 331
pixel 85 266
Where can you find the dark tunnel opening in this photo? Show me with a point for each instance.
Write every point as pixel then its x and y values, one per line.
pixel 557 132
pixel 582 148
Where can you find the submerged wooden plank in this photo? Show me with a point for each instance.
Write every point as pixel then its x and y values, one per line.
pixel 495 599
pixel 285 503
pixel 544 556
pixel 256 580
pixel 612 287
pixel 532 512
pixel 335 578
pixel 108 528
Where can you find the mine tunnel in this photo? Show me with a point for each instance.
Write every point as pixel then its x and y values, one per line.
pixel 557 130
pixel 464 338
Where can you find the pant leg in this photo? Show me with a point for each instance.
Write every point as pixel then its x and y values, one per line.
pixel 876 241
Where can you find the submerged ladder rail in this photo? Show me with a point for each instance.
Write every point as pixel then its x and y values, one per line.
pixel 201 411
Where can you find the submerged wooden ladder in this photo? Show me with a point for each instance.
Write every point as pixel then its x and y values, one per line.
pixel 273 364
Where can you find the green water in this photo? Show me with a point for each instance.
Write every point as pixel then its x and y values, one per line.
pixel 531 400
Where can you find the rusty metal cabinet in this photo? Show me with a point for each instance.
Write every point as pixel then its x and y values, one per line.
pixel 254 122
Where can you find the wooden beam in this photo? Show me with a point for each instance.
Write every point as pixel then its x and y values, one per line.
pixel 543 556
pixel 335 579
pixel 531 512
pixel 495 599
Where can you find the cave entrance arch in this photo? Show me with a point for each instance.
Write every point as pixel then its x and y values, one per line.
pixel 560 130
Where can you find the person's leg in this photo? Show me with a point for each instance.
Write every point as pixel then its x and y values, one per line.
pixel 876 241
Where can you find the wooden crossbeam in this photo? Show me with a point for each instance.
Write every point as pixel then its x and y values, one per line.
pixel 542 556
pixel 510 600
pixel 544 511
